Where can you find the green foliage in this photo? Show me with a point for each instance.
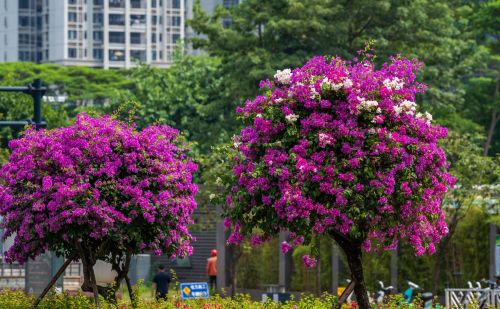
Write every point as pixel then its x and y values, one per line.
pixel 186 96
pixel 268 35
pixel 77 83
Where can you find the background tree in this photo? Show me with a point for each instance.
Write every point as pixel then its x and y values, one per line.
pixel 187 96
pixel 473 171
pixel 264 36
pixel 98 189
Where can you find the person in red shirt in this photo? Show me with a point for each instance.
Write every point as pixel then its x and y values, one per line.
pixel 212 269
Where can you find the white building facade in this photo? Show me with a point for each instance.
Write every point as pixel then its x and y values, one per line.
pixel 94 33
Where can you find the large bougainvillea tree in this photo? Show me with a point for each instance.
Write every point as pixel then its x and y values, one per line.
pixel 98 189
pixel 340 148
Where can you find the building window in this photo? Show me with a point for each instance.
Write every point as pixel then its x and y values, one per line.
pixel 137 4
pixel 153 37
pixel 176 4
pixel 24 4
pixel 24 56
pixel 24 38
pixel 116 37
pixel 71 1
pixel 137 20
pixel 230 3
pixel 72 52
pixel 160 37
pixel 116 19
pixel 116 3
pixel 175 37
pixel 97 53
pixel 97 18
pixel 72 16
pixel 98 2
pixel 72 34
pixel 24 21
pixel 153 55
pixel 153 3
pixel 154 19
pixel 136 38
pixel 138 55
pixel 97 36
pixel 116 55
pixel 5 22
pixel 176 21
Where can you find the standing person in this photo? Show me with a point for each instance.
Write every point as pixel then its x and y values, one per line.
pixel 160 283
pixel 212 269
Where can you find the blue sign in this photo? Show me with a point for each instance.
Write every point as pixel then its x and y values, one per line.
pixel 194 290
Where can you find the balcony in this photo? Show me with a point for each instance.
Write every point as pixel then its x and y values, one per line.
pixel 138 55
pixel 116 55
pixel 137 38
pixel 116 20
pixel 138 4
pixel 119 4
pixel 137 20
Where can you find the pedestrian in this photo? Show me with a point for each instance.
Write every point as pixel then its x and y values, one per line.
pixel 160 283
pixel 212 269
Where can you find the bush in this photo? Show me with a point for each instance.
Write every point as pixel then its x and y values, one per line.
pixel 19 300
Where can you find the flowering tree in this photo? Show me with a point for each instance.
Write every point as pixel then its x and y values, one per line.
pixel 338 148
pixel 98 189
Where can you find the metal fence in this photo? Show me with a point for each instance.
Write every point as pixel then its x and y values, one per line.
pixel 476 298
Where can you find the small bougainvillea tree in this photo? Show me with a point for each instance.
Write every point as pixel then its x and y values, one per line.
pixel 98 189
pixel 340 148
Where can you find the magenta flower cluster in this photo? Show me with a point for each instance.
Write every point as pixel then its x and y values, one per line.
pixel 97 180
pixel 340 147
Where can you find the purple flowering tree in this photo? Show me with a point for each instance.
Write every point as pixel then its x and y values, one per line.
pixel 98 189
pixel 339 148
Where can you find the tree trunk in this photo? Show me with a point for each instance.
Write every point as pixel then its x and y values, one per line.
pixel 494 117
pixel 94 287
pixel 131 292
pixel 318 270
pixel 353 252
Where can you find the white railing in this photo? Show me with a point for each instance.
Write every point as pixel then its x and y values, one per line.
pixel 478 298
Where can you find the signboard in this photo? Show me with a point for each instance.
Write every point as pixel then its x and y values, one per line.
pixel 497 255
pixel 194 290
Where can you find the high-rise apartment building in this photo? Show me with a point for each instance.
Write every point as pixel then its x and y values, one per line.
pixel 95 33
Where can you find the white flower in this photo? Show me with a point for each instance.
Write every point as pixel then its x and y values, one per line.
pixel 292 117
pixel 396 83
pixel 218 181
pixel 315 95
pixel 379 110
pixel 326 83
pixel 419 115
pixel 372 131
pixel 283 76
pixel 428 116
pixel 347 83
pixel 366 105
pixel 279 100
pixel 211 196
pixel 324 139
pixel 408 105
pixel 397 109
pixel 337 86
pixel 236 141
pixel 258 116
